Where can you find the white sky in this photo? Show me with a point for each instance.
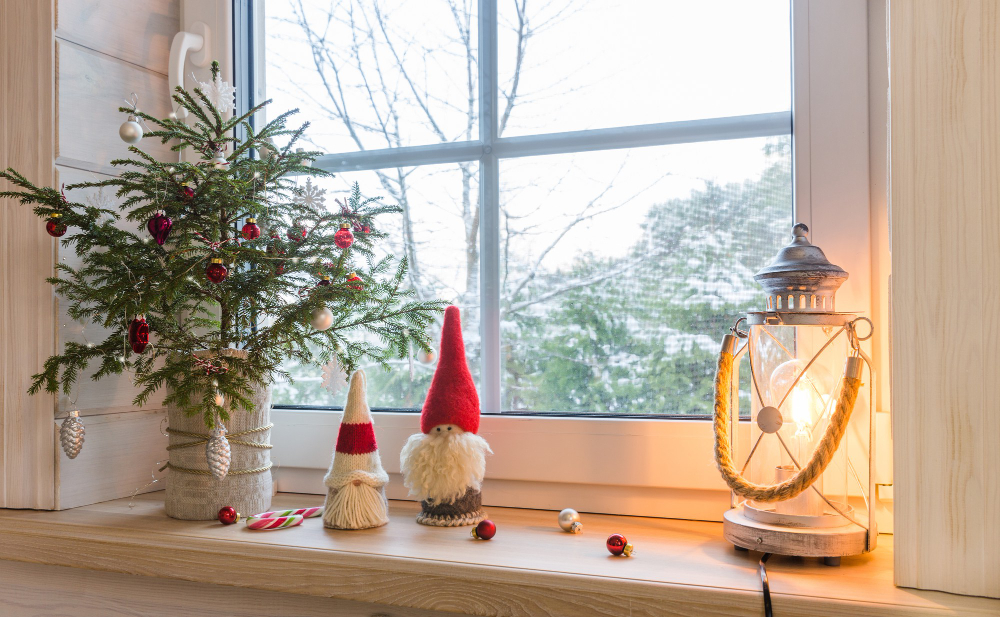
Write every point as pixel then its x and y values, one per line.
pixel 603 63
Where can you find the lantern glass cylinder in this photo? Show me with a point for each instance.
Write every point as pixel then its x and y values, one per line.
pixel 796 362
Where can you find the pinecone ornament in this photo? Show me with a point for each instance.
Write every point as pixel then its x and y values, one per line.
pixel 71 434
pixel 218 452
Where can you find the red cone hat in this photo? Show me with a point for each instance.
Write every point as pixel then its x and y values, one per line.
pixel 452 398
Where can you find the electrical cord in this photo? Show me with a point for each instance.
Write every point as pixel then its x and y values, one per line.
pixel 764 586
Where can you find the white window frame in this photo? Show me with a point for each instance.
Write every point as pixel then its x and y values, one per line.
pixel 651 467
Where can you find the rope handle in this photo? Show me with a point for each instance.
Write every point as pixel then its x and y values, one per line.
pixel 821 456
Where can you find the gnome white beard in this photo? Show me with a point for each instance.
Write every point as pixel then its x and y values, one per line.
pixel 441 467
pixel 359 503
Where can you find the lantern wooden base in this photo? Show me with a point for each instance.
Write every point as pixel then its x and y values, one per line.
pixel 829 542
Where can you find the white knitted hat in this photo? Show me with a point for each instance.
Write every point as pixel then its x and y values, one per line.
pixel 356 455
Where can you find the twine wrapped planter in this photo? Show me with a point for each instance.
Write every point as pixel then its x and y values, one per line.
pixel 192 492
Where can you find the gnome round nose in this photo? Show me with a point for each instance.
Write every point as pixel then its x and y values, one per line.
pixel 444 465
pixel 356 481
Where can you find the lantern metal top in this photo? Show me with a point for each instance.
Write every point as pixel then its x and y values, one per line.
pixel 801 278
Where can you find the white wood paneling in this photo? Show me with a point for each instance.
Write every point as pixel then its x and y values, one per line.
pixel 113 394
pixel 945 307
pixel 136 32
pixel 27 120
pixel 121 454
pixel 91 88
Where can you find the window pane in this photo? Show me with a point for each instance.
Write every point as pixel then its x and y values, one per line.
pixel 375 74
pixel 622 270
pixel 439 234
pixel 568 65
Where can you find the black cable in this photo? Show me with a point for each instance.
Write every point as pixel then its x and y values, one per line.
pixel 764 586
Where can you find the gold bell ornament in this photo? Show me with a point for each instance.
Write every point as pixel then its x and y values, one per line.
pixel 805 487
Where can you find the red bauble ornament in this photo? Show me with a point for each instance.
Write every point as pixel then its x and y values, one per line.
pixel 323 281
pixel 54 227
pixel 484 530
pixel 216 271
pixel 618 545
pixel 228 515
pixel 351 278
pixel 138 334
pixel 187 192
pixel 159 226
pixel 296 234
pixel 344 238
pixel 366 229
pixel 251 231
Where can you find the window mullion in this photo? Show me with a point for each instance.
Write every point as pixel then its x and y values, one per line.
pixel 489 204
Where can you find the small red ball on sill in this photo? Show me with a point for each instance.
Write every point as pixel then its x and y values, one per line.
pixel 618 545
pixel 484 530
pixel 228 515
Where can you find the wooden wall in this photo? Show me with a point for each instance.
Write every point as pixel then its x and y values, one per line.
pixel 105 51
pixel 945 219
pixel 27 121
pixel 68 65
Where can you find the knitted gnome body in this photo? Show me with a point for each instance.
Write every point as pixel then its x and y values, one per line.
pixel 356 481
pixel 444 465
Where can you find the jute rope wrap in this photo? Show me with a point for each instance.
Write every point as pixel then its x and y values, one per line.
pixel 804 477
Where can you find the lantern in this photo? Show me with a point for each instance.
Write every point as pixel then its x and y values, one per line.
pixel 796 490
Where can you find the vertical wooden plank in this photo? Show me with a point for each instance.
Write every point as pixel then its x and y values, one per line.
pixel 26 255
pixel 944 253
pixel 990 178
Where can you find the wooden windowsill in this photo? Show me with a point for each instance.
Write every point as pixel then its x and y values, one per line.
pixel 530 568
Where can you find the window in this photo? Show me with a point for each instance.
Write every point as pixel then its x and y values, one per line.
pixel 594 184
pixel 641 154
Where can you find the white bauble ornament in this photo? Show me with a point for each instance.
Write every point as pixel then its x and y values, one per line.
pixel 220 162
pixel 130 131
pixel 569 520
pixel 322 318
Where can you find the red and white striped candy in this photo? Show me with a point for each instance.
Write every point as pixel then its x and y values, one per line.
pixel 277 522
pixel 303 512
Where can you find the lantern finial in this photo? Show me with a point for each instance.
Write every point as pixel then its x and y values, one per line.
pixel 801 278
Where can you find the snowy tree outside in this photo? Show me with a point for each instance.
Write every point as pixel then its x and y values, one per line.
pixel 621 270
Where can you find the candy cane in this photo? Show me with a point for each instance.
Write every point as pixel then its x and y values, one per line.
pixel 279 522
pixel 303 512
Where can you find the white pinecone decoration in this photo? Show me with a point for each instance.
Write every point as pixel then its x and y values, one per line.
pixel 71 434
pixel 218 453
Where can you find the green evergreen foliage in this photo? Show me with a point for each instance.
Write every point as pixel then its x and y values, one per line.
pixel 265 304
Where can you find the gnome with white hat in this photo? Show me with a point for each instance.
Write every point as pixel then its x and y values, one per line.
pixel 356 481
pixel 444 464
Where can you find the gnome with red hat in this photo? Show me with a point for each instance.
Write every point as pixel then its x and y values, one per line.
pixel 356 481
pixel 444 465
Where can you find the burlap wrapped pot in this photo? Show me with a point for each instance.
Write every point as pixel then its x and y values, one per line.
pixel 199 496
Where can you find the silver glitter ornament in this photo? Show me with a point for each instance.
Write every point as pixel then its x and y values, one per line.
pixel 218 453
pixel 71 434
pixel 569 521
pixel 130 131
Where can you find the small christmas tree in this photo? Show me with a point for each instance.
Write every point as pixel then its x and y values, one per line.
pixel 242 255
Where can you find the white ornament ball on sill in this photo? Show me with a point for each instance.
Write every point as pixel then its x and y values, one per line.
pixel 130 131
pixel 322 318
